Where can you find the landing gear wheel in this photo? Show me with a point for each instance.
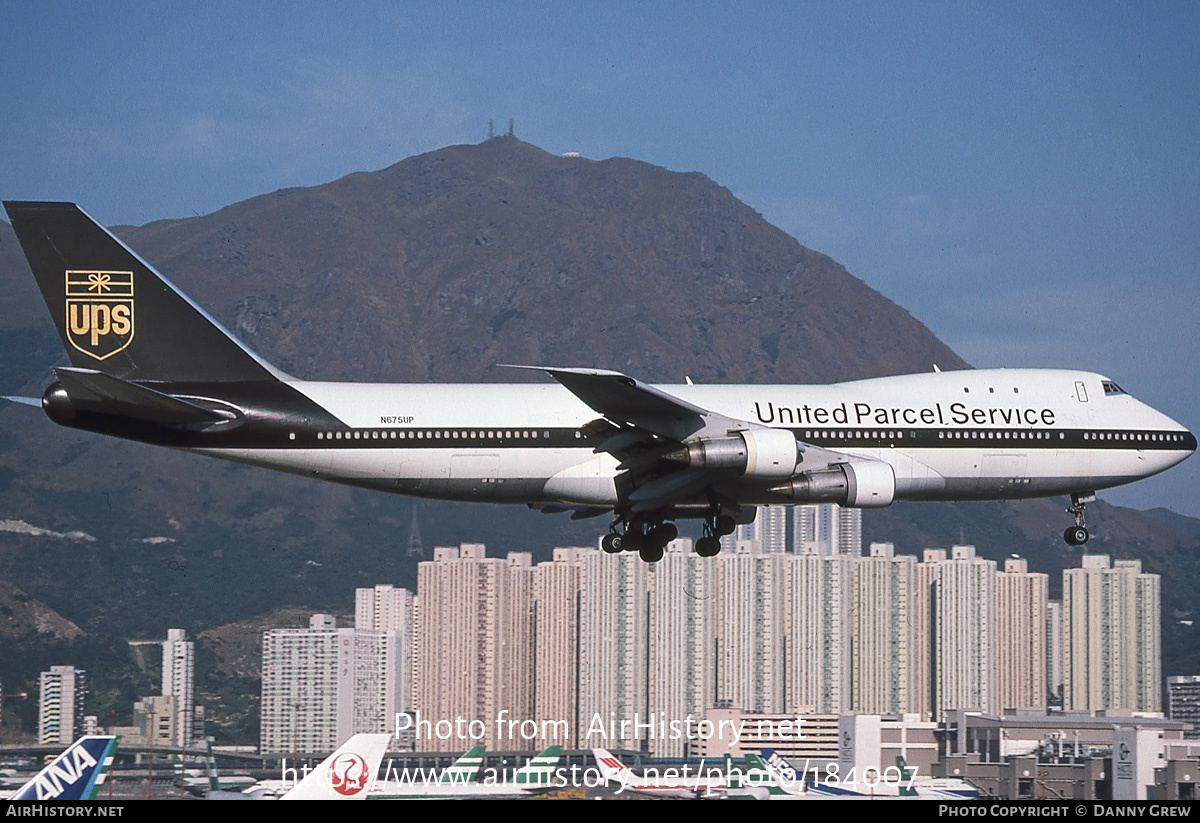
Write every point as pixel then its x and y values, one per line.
pixel 1077 535
pixel 663 533
pixel 612 543
pixel 633 541
pixel 651 553
pixel 724 525
pixel 708 546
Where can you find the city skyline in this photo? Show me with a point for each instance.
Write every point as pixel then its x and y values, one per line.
pixel 689 634
pixel 760 631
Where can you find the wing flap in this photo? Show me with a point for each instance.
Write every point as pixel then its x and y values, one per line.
pixel 665 490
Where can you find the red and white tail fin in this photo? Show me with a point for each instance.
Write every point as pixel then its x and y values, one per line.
pixel 611 768
pixel 346 774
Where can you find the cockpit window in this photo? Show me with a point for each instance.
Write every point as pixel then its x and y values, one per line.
pixel 1111 388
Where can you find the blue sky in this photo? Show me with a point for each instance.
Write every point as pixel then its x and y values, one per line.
pixel 1024 178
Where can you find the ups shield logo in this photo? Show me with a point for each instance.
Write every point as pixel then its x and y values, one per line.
pixel 99 311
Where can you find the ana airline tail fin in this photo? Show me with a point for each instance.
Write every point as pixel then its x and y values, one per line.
pixel 74 775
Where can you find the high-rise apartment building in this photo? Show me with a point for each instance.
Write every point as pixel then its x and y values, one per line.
pixel 964 624
pixel 517 616
pixel 383 656
pixel 179 682
pixel 1022 599
pixel 1054 652
pixel 1111 633
pixel 751 624
pixel 556 635
pixel 884 632
pixel 323 684
pixel 613 644
pixel 383 608
pixel 814 647
pixel 60 704
pixel 928 572
pixel 769 530
pixel 681 629
pixel 473 643
pixel 308 684
pixel 826 530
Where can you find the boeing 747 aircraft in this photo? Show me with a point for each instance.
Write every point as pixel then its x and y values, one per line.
pixel 149 365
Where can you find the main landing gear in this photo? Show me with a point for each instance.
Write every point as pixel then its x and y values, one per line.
pixel 650 539
pixel 1077 535
pixel 714 529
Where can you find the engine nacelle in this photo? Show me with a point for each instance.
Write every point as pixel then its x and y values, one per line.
pixel 860 484
pixel 761 454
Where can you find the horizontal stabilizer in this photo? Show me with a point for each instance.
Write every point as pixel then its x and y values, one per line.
pixel 96 392
pixel 27 401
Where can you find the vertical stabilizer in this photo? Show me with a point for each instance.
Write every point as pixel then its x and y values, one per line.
pixel 465 769
pixel 115 312
pixel 347 774
pixel 74 775
pixel 540 770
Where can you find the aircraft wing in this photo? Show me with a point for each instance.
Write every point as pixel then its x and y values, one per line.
pixel 672 451
pixel 625 400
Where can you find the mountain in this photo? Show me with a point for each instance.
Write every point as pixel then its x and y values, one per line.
pixel 436 269
pixel 20 615
pixel 442 265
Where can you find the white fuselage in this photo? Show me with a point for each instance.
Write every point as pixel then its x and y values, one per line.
pixel 994 434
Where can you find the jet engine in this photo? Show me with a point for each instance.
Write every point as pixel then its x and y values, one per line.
pixel 759 454
pixel 859 484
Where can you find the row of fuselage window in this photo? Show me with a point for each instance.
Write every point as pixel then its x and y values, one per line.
pixel 869 434
pixel 1157 437
pixel 440 434
pixel 1145 437
pixel 808 435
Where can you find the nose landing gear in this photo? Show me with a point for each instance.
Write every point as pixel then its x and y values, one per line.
pixel 1077 535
